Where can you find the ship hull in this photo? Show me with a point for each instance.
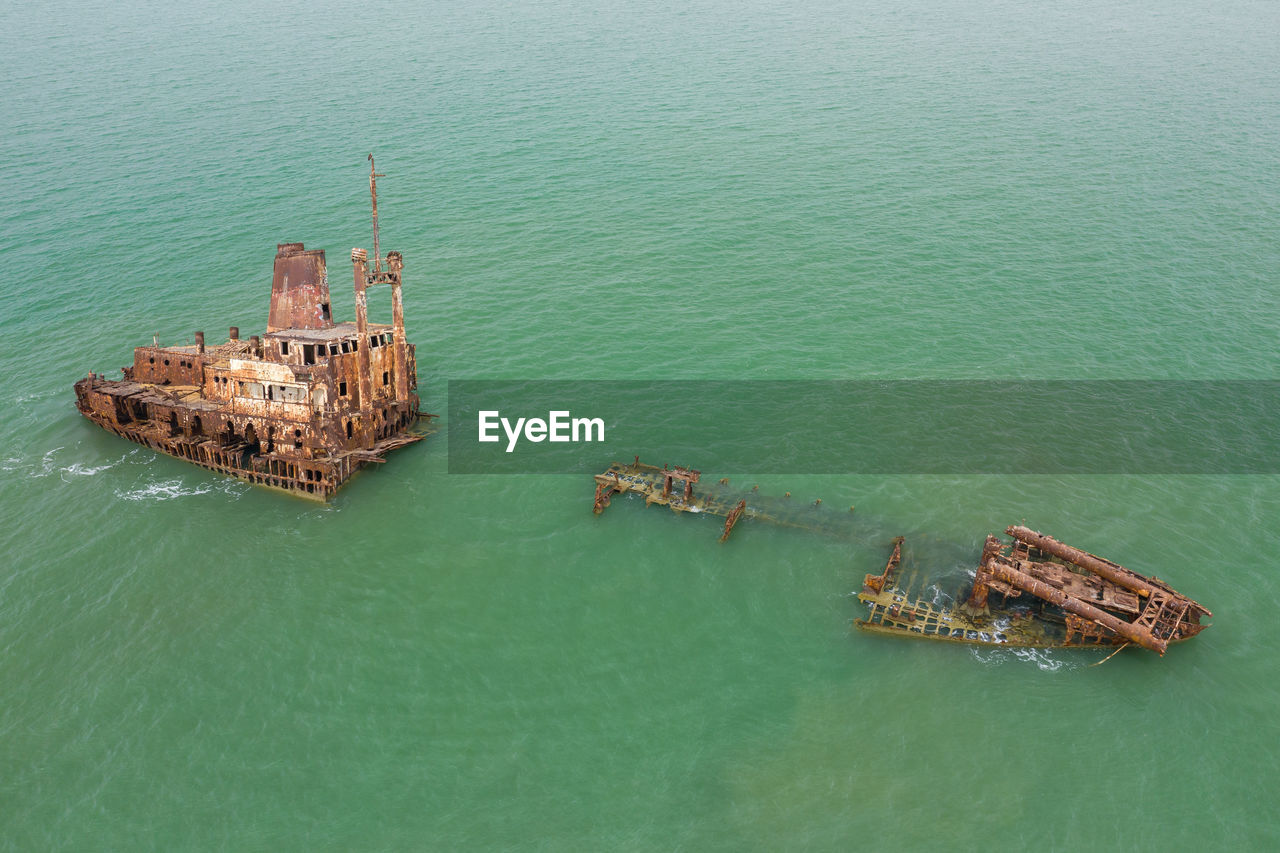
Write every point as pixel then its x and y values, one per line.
pixel 315 478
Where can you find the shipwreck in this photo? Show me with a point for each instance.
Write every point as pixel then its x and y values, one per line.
pixel 1031 592
pixel 302 407
pixel 1034 592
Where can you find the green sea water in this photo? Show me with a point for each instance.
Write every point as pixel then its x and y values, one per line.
pixel 989 189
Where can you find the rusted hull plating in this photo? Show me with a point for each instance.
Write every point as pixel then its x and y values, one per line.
pixel 149 423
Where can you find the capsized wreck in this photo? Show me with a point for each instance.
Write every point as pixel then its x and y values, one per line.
pixel 1035 592
pixel 301 408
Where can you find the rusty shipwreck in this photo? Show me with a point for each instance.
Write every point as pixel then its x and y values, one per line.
pixel 1034 592
pixel 300 408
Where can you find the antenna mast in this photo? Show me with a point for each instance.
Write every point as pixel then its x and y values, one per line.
pixel 373 192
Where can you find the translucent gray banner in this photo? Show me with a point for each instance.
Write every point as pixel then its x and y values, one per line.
pixel 867 427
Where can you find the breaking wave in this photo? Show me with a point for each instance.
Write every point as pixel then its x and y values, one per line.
pixel 165 490
pixel 1043 659
pixel 48 465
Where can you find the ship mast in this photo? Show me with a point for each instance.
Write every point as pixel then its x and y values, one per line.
pixel 373 192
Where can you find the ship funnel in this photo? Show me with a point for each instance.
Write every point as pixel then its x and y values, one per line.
pixel 299 290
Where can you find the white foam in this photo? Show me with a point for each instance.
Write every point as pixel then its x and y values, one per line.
pixel 46 463
pixel 165 490
pixel 1043 659
pixel 1040 657
pixel 77 470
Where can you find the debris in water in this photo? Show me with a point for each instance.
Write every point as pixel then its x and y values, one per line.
pixel 1073 599
pixel 1051 595
pixel 674 487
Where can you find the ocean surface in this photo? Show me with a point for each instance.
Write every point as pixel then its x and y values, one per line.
pixel 988 189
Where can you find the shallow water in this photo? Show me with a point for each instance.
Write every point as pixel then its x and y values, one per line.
pixel 948 190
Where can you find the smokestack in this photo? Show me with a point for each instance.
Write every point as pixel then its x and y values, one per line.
pixel 299 289
pixel 200 342
pixel 235 333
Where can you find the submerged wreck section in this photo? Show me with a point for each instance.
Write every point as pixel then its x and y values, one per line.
pixel 301 408
pixel 669 487
pixel 1035 592
pixel 673 487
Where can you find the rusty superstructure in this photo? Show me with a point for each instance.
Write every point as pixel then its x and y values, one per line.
pixel 300 408
pixel 1034 592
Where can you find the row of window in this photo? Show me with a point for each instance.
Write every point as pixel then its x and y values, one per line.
pixel 342 386
pixel 182 362
pixel 311 350
pixel 279 393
